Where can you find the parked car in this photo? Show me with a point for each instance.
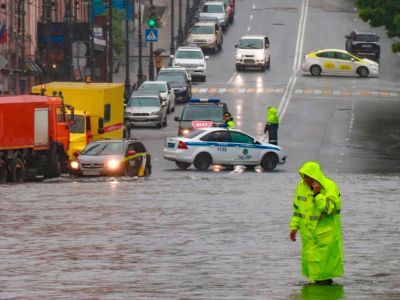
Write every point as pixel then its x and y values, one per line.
pixel 145 108
pixel 253 51
pixel 364 44
pixel 216 9
pixel 127 157
pixel 221 146
pixel 339 62
pixel 206 35
pixel 193 60
pixel 208 111
pixel 163 88
pixel 180 81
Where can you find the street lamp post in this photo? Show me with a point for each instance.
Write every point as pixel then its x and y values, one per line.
pixel 172 46
pixel 92 60
pixel 68 50
pixel 21 36
pixel 127 80
pixel 140 68
pixel 180 30
pixel 187 18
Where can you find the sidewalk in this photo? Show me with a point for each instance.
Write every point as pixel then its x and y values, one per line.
pixel 164 41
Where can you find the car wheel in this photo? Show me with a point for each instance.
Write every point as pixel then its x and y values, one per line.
pixel 269 161
pixel 220 44
pixel 146 172
pixel 169 107
pixel 202 161
pixel 269 63
pixel 165 121
pixel 215 48
pixel 204 79
pixel 182 165
pixel 315 70
pixel 238 68
pixel 17 171
pixel 362 72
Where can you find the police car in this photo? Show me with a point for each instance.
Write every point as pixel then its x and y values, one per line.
pixel 199 113
pixel 221 146
pixel 339 62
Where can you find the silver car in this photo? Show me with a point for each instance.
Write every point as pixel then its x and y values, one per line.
pixel 145 108
pixel 215 9
pixel 163 88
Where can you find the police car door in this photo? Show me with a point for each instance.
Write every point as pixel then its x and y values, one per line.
pixel 245 149
pixel 218 146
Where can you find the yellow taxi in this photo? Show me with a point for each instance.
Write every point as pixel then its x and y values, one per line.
pixel 339 62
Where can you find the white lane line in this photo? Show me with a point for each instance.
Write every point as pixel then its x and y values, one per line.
pixel 254 6
pixel 233 76
pixel 221 90
pixel 251 17
pixel 297 61
pixel 248 28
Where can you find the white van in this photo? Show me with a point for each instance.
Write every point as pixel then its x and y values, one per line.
pixel 253 51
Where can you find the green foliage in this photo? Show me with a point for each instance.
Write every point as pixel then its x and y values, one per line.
pixel 382 13
pixel 118 43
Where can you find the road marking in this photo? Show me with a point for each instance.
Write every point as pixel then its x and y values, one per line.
pixel 241 91
pixel 212 90
pixel 232 77
pixel 251 17
pixel 248 28
pixel 221 90
pixel 203 90
pixel 298 91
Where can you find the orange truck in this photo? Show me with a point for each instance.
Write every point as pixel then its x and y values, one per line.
pixel 34 137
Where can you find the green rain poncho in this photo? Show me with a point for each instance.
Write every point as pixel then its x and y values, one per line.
pixel 318 219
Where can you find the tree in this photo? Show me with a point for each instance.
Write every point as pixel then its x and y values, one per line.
pixel 382 13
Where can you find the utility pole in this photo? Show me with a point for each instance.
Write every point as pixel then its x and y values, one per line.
pixel 140 69
pixel 151 60
pixel 110 43
pixel 47 20
pixel 187 18
pixel 68 49
pixel 127 80
pixel 92 60
pixel 180 30
pixel 21 38
pixel 172 46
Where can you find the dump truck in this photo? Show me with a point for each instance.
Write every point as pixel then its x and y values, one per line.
pixel 34 137
pixel 99 110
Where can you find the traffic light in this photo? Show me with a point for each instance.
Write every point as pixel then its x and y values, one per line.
pixel 152 22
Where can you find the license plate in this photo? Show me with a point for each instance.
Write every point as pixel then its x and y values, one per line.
pixel 91 173
pixel 171 145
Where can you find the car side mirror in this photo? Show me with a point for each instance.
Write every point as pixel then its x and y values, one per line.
pixel 236 45
pixel 206 57
pixel 177 119
pixel 131 152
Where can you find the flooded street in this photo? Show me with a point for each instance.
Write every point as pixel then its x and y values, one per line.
pixel 192 235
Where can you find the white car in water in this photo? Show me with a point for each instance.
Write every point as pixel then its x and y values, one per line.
pixel 221 146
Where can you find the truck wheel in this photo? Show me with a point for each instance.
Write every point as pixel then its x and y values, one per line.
pixel 17 172
pixel 182 165
pixel 3 170
pixel 269 161
pixel 53 168
pixel 202 161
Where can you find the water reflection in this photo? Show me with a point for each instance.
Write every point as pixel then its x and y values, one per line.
pixel 321 292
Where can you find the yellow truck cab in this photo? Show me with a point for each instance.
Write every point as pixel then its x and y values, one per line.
pixel 99 110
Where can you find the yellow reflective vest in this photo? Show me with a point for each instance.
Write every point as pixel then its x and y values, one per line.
pixel 318 219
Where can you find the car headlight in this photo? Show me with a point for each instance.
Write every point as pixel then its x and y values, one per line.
pixel 74 165
pixel 238 56
pixel 113 164
pixel 154 113
pixel 185 131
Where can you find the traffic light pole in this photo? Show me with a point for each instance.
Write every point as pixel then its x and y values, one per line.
pixel 172 46
pixel 127 80
pixel 151 60
pixel 140 69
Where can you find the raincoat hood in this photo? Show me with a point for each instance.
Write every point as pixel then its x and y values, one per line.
pixel 312 169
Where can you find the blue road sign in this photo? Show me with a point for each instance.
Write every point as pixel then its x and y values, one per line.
pixel 151 34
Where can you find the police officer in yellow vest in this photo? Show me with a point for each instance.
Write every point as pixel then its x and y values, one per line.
pixel 272 125
pixel 316 213
pixel 228 119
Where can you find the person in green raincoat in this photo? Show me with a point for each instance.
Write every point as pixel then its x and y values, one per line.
pixel 316 213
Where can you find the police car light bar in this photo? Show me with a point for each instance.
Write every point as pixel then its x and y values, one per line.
pixel 198 100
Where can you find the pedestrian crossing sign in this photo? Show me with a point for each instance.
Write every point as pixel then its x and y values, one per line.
pixel 151 34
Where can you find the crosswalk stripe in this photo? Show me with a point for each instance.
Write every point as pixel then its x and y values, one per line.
pixel 326 91
pixel 260 90
pixel 279 91
pixel 364 93
pixel 251 90
pixel 394 94
pixel 231 90
pixel 317 92
pixel 195 90
pixel 241 91
pixel 346 93
pixel 356 93
pixel 212 90
pixel 269 91
pixel 203 90
pixel 308 91
pixel 298 91
pixel 221 90
pixel 336 92
pixel 384 94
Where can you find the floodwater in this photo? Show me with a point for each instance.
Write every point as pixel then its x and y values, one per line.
pixel 189 235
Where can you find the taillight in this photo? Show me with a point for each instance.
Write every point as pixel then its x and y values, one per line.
pixel 182 145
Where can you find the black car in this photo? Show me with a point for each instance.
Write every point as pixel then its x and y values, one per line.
pixel 179 80
pixel 210 111
pixel 364 44
pixel 127 157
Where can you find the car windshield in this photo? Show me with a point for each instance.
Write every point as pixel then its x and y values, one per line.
pixel 102 148
pixel 203 29
pixel 366 38
pixel 172 77
pixel 143 102
pixel 213 8
pixel 194 133
pixel 202 112
pixel 251 44
pixel 189 54
pixel 158 87
pixel 79 124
